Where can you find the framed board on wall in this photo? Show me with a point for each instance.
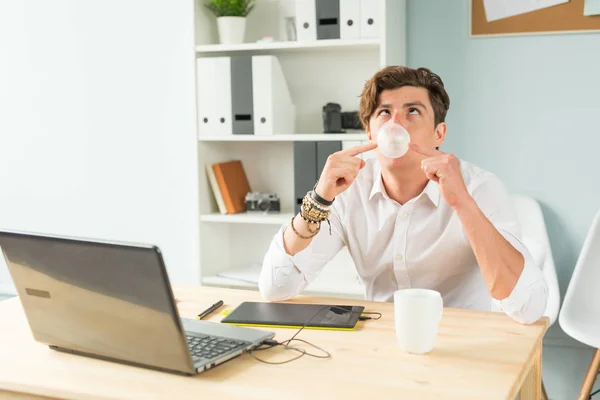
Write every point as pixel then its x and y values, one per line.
pixel 561 18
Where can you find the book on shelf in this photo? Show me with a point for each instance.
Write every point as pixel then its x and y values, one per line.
pixel 230 186
pixel 212 180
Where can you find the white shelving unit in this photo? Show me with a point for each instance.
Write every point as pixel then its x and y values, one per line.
pixel 298 137
pixel 281 47
pixel 249 218
pixel 316 72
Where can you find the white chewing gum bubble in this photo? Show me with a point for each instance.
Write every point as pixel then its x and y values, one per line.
pixel 393 140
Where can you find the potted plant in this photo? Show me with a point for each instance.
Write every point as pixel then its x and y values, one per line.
pixel 231 18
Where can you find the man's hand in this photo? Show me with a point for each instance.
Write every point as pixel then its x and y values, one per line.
pixel 445 170
pixel 340 171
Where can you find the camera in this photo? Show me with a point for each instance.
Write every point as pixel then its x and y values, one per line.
pixel 335 121
pixel 265 202
pixel 332 118
pixel 351 120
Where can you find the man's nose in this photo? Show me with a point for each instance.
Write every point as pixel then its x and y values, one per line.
pixel 399 118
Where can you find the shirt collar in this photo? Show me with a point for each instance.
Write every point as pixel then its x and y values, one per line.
pixel 431 189
pixel 377 183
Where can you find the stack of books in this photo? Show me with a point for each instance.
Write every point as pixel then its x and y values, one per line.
pixel 230 185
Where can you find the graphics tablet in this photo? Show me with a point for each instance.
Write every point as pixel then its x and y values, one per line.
pixel 293 315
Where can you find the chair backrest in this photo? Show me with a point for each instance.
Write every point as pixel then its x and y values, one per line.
pixel 580 313
pixel 535 238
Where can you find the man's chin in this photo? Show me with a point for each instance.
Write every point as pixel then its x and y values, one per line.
pixel 395 163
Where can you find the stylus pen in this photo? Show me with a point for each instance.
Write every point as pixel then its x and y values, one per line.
pixel 210 309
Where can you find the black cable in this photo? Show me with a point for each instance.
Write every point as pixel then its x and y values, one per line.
pixel 301 351
pixel 332 307
pixel 286 343
pixel 361 318
pixel 596 392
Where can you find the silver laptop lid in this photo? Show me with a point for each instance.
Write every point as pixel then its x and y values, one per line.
pixel 110 300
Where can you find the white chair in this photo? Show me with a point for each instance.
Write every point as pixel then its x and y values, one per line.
pixel 535 238
pixel 580 313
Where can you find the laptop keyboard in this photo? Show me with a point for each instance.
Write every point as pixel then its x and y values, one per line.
pixel 205 347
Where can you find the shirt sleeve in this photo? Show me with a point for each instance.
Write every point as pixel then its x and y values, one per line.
pixel 527 301
pixel 284 276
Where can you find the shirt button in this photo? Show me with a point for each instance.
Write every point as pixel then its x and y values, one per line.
pixel 399 257
pixel 404 215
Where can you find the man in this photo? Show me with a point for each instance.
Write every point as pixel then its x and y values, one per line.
pixel 426 219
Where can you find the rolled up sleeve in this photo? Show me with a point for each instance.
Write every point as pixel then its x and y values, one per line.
pixel 527 301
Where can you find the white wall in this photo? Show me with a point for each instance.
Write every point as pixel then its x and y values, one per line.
pixel 97 123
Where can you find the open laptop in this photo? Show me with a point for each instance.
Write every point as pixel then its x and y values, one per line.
pixel 113 301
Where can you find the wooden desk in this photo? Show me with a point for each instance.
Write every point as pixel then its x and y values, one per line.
pixel 478 355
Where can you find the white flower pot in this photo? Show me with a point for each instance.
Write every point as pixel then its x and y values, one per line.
pixel 231 29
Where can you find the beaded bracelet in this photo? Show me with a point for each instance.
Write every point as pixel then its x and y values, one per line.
pixel 313 233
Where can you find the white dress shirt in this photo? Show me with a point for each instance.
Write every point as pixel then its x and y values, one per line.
pixel 420 244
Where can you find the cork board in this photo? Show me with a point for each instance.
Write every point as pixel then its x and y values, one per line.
pixel 566 17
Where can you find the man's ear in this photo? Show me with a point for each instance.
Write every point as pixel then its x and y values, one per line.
pixel 440 134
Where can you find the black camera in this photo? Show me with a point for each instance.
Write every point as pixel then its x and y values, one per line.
pixel 335 121
pixel 264 202
pixel 351 120
pixel 332 118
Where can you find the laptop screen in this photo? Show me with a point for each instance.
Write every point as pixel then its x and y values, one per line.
pixel 108 300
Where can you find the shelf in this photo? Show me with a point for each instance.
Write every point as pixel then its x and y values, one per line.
pixel 331 44
pixel 227 282
pixel 354 289
pixel 248 218
pixel 298 137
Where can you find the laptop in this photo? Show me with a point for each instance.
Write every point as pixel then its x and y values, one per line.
pixel 113 301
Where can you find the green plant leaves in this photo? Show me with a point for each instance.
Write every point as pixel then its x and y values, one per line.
pixel 230 8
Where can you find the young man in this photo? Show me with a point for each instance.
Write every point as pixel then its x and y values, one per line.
pixel 424 220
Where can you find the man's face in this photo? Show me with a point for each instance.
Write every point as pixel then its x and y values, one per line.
pixel 410 107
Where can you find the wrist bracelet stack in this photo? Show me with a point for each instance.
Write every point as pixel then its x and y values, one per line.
pixel 313 211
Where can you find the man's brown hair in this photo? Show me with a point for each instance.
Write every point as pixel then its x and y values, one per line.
pixel 395 77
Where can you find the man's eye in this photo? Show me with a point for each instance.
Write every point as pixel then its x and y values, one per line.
pixel 384 111
pixel 413 111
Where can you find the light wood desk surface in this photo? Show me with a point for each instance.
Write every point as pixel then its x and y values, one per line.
pixel 478 355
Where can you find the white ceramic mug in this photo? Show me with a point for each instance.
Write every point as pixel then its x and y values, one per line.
pixel 418 313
